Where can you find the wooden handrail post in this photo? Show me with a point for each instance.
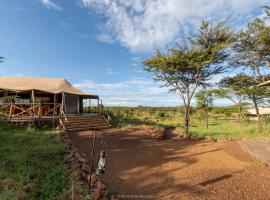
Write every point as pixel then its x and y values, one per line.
pixel 10 111
pixel 39 109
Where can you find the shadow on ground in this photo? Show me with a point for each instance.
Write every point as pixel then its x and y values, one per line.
pixel 140 166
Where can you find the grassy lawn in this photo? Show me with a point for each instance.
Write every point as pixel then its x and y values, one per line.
pixel 31 164
pixel 232 129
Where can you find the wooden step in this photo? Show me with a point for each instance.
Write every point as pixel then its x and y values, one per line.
pixel 81 123
pixel 87 122
pixel 86 125
pixel 87 128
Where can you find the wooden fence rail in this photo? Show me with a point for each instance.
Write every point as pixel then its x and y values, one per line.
pixel 36 110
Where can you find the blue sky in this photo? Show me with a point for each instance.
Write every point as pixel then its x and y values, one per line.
pixel 98 45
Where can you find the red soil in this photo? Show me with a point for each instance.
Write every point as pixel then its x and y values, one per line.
pixel 142 167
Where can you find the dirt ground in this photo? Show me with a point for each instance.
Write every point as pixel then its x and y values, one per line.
pixel 260 148
pixel 140 167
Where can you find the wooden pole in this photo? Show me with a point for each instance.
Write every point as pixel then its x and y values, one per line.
pixel 54 99
pixel 62 103
pixel 92 162
pixel 65 108
pixel 33 102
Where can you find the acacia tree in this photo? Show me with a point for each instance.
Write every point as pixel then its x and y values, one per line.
pixel 190 65
pixel 251 52
pixel 251 49
pixel 204 100
pixel 232 92
pixel 247 86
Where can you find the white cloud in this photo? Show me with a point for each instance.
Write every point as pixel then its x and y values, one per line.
pixel 142 25
pixel 137 91
pixel 51 5
pixel 131 92
pixel 103 37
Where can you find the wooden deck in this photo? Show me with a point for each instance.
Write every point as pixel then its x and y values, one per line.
pixel 52 115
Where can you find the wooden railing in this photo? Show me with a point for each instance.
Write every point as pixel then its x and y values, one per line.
pixel 107 117
pixel 12 110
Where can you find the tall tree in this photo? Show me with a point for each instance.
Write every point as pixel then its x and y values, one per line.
pixel 190 65
pixel 252 49
pixel 246 85
pixel 204 100
pixel 232 92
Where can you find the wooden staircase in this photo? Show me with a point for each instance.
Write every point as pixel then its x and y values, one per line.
pixel 77 123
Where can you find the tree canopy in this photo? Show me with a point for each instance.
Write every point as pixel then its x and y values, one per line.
pixel 192 64
pixel 251 49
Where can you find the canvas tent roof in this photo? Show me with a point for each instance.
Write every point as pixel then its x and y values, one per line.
pixel 262 111
pixel 50 85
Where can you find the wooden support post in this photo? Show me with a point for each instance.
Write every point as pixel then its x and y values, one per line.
pixel 64 101
pixel 33 103
pixel 54 99
pixel 10 110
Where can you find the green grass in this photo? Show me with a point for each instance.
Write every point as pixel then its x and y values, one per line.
pixel 232 129
pixel 220 126
pixel 31 164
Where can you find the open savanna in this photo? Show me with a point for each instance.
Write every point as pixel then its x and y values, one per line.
pixel 222 121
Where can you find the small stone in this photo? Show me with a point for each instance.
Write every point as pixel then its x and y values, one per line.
pixel 77 174
pixel 84 176
pixel 93 179
pixel 85 167
pixel 83 160
pixel 75 165
pixel 68 157
pixel 77 155
pixel 96 194
pixel 100 185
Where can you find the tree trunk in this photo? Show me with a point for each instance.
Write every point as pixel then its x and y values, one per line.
pixel 256 108
pixel 206 117
pixel 239 112
pixel 186 120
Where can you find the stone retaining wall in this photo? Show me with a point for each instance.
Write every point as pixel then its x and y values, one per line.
pixel 79 164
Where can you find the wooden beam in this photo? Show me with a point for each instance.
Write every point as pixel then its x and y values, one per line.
pixel 64 102
pixel 33 102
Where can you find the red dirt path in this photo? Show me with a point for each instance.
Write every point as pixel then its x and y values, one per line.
pixel 140 166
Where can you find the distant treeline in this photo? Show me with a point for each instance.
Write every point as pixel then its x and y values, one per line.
pixel 224 110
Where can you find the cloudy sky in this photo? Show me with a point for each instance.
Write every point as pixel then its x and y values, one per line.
pixel 99 45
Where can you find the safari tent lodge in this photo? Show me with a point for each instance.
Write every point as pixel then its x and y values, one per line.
pixel 29 99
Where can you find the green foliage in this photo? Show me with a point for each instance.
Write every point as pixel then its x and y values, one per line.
pixel 204 99
pixel 222 122
pixel 252 48
pixel 247 85
pixel 190 65
pixel 32 159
